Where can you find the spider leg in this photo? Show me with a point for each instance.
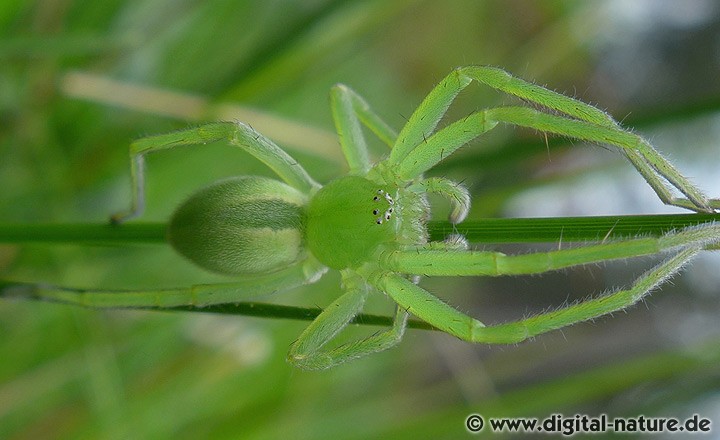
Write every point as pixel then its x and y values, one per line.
pixel 653 166
pixel 417 149
pixel 649 162
pixel 456 193
pixel 426 306
pixel 198 295
pixel 423 121
pixel 308 353
pixel 434 259
pixel 237 134
pixel 349 111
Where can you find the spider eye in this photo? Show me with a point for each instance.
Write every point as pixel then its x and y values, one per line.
pixel 387 215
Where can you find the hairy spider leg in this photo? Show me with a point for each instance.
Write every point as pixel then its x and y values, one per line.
pixel 418 132
pixel 198 295
pixel 646 160
pixel 434 260
pixel 446 141
pixel 434 311
pixel 307 351
pixel 430 260
pixel 423 121
pixel 454 192
pixel 237 134
pixel 349 111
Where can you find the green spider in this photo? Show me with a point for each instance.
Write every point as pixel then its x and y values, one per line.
pixel 370 224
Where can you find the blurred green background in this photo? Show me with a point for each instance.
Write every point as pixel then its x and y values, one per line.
pixel 80 80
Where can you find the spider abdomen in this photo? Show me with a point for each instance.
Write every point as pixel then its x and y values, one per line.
pixel 348 219
pixel 241 225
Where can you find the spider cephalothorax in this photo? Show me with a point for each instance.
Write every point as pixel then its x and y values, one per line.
pixel 351 217
pixel 370 224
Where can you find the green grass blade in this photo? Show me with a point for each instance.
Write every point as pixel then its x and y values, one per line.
pixel 79 233
pixel 11 289
pixel 567 229
pixel 489 230
pixel 514 230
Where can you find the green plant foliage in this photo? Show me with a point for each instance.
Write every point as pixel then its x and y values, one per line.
pixel 80 80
